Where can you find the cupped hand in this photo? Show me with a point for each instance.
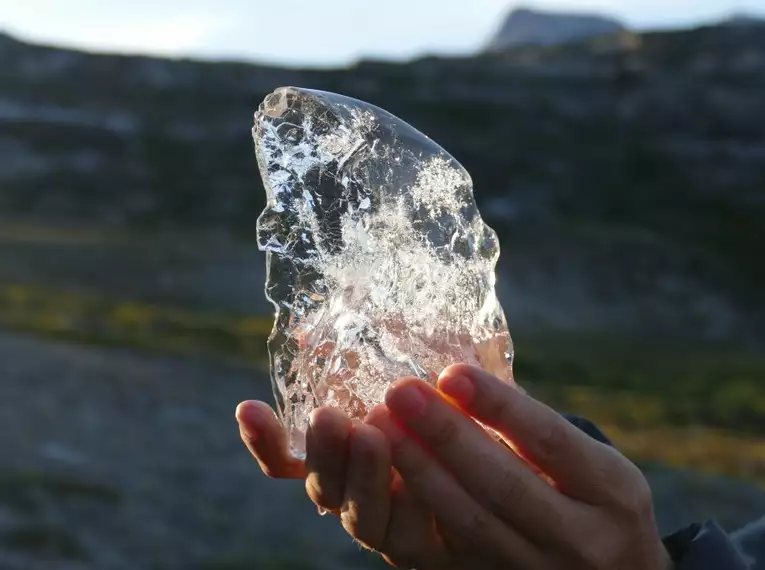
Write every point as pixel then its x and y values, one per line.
pixel 560 500
pixel 422 483
pixel 348 472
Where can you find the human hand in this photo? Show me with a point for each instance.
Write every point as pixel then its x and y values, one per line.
pixel 590 508
pixel 348 472
pixel 463 500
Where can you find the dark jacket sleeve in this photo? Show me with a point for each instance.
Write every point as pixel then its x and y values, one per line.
pixel 698 547
pixel 703 547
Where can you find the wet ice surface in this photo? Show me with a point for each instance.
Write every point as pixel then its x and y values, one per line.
pixel 379 264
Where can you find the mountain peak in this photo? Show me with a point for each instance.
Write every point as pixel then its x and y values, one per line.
pixel 744 19
pixel 528 26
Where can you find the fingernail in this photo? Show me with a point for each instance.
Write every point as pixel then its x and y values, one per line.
pixel 380 417
pixel 248 419
pixel 241 411
pixel 460 388
pixel 407 402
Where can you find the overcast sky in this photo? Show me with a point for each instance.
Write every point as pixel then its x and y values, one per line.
pixel 311 32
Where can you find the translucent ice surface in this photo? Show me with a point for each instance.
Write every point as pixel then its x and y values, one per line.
pixel 379 264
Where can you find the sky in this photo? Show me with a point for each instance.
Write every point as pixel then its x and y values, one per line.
pixel 319 33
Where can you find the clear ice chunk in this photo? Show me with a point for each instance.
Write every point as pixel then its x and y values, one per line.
pixel 379 264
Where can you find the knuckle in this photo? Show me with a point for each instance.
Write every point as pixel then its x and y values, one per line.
pixel 350 523
pixel 323 447
pixel 252 443
pixel 553 442
pixel 319 494
pixel 417 472
pixel 414 465
pixel 367 528
pixel 361 533
pixel 635 507
pixel 473 530
pixel 248 440
pixel 633 498
pixel 366 457
pixel 512 492
pixel 496 409
pixel 444 434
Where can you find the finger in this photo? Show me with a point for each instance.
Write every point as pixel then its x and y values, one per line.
pixel 495 477
pixel 411 540
pixel 266 439
pixel 326 461
pixel 454 509
pixel 366 507
pixel 582 467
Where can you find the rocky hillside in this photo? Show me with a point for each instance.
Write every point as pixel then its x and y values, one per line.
pixel 524 26
pixel 625 174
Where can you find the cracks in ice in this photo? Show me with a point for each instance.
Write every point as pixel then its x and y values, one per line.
pixel 379 264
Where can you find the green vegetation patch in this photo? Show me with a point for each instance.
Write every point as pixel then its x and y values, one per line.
pixel 643 383
pixel 697 406
pixel 99 320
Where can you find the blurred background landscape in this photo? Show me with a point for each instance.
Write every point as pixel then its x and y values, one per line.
pixel 622 164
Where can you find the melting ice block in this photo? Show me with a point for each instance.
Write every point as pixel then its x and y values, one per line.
pixel 379 264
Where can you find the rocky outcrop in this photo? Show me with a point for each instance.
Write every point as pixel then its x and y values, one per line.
pixel 524 26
